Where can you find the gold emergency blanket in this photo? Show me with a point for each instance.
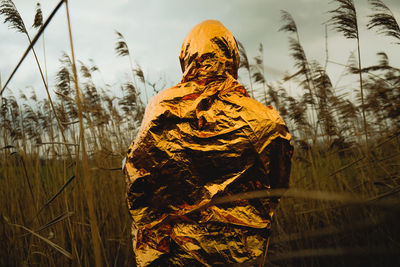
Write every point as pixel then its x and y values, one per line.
pixel 202 139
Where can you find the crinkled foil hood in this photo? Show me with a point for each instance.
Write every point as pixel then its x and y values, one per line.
pixel 210 47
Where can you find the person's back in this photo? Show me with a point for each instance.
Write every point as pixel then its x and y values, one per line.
pixel 202 139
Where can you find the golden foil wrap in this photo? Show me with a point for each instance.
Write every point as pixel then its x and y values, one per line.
pixel 202 139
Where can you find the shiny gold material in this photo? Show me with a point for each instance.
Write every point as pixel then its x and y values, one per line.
pixel 202 139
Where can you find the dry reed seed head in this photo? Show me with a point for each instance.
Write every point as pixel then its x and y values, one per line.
pixel 258 68
pixel 244 61
pixel 63 81
pixel 38 20
pixel 382 95
pixel 22 95
pixel 289 23
pixel 352 64
pixel 121 47
pixel 344 19
pixel 128 103
pixel 261 48
pixel 259 58
pixel 84 70
pixel 33 95
pixel 93 66
pixel 4 105
pixel 273 94
pixel 320 78
pixel 12 16
pixel 349 110
pixel 297 114
pixel 298 54
pixel 383 20
pixel 383 59
pixel 258 76
pixel 140 74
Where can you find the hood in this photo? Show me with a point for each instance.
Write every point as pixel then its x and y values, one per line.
pixel 209 50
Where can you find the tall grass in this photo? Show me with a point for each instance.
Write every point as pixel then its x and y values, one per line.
pixel 63 197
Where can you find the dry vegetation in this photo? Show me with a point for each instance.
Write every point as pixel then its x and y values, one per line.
pixel 62 191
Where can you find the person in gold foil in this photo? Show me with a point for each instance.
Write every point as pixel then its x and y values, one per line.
pixel 203 139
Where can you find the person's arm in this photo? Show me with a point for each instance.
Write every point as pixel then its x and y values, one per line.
pixel 280 163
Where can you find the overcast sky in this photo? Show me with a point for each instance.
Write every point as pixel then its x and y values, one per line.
pixel 155 29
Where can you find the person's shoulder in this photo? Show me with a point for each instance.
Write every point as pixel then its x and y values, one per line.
pixel 265 111
pixel 255 111
pixel 265 121
pixel 159 103
pixel 161 96
pixel 170 93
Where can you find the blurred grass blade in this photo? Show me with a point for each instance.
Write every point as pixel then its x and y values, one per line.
pixel 53 245
pixel 347 198
pixel 56 195
pixel 339 251
pixel 58 219
pixel 386 194
pixel 57 143
pixel 7 147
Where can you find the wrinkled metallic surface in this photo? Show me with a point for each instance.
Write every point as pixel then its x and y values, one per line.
pixel 204 138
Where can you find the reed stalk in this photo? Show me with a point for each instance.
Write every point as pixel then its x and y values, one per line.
pixel 95 234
